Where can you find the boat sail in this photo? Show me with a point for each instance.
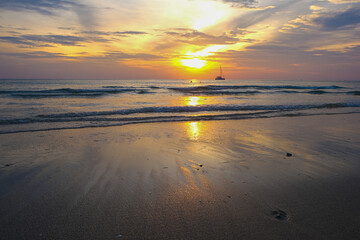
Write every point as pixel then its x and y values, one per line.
pixel 220 77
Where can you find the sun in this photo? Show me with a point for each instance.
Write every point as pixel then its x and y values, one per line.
pixel 193 63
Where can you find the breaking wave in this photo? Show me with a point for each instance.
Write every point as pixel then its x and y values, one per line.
pixel 258 89
pixel 151 114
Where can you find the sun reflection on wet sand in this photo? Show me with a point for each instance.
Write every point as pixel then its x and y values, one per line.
pixel 193 127
pixel 193 130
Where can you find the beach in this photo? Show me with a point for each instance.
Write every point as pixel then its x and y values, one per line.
pixel 179 120
pixel 266 178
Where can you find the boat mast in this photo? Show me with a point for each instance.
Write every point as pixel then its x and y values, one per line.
pixel 220 71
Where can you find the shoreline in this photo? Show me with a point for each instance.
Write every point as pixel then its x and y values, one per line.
pixel 185 180
pixel 200 118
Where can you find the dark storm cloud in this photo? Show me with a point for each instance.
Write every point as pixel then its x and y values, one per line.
pixel 341 20
pixel 200 38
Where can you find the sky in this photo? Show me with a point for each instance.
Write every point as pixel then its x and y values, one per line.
pixel 180 39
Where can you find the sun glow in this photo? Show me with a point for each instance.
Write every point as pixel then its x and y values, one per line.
pixel 193 101
pixel 193 63
pixel 206 51
pixel 210 15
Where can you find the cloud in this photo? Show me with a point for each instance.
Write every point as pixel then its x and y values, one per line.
pixel 117 55
pixel 275 48
pixel 56 39
pixel 41 6
pixel 255 17
pixel 248 20
pixel 116 33
pixel 240 31
pixel 344 1
pixel 36 54
pixel 130 33
pixel 15 40
pixel 85 13
pixel 242 3
pixel 35 40
pixel 200 38
pixel 315 31
pixel 291 62
pixel 107 56
pixel 66 28
pixel 50 40
pixel 246 4
pixel 339 20
pixel 320 22
pixel 315 8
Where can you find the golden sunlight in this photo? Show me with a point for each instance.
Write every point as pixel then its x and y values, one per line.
pixel 193 101
pixel 193 63
pixel 193 130
pixel 210 14
pixel 208 51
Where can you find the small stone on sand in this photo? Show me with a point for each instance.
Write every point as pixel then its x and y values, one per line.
pixel 279 214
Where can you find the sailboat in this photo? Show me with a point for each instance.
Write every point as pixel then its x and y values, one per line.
pixel 220 77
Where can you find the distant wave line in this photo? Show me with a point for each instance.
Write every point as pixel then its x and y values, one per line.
pixel 63 92
pixel 199 90
pixel 258 87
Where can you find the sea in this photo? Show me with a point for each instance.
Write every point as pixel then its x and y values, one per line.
pixel 45 105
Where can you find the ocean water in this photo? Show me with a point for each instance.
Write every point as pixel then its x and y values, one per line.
pixel 43 105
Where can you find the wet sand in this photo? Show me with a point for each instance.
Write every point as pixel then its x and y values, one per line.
pixel 201 180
